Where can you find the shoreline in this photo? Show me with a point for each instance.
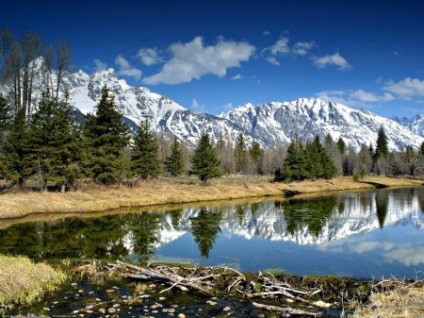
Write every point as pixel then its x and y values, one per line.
pixel 183 190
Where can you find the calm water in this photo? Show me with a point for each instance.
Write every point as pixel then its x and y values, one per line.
pixel 366 234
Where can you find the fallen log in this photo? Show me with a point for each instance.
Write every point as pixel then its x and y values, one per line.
pixel 286 310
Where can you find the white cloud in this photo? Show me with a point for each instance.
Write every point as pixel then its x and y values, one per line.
pixel 370 97
pixel 266 33
pixel 334 96
pixel 407 88
pixel 236 77
pixel 272 60
pixel 99 65
pixel 303 48
pixel 193 60
pixel 280 47
pixel 354 97
pixel 149 56
pixel 335 59
pixel 228 107
pixel 125 68
pixel 195 105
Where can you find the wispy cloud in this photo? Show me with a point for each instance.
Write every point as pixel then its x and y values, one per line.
pixel 282 48
pixel 303 48
pixel 196 105
pixel 126 69
pixel 407 88
pixel 149 56
pixel 266 33
pixel 236 77
pixel 99 65
pixel 193 60
pixel 332 60
pixel 355 97
pixel 370 97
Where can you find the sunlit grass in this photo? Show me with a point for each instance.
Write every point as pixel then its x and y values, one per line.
pixel 24 282
pixel 92 197
pixel 402 302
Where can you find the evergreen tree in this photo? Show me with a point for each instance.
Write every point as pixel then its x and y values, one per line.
pixel 341 145
pixel 145 153
pixel 421 150
pixel 15 151
pixel 381 149
pixel 55 142
pixel 257 156
pixel 174 163
pixel 205 161
pixel 240 154
pixel 106 138
pixel 6 117
pixel 294 168
pixel 313 159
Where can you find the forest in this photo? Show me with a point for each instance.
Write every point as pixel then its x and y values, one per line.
pixel 43 144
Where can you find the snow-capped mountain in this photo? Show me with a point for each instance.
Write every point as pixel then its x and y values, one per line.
pixel 415 124
pixel 139 103
pixel 269 124
pixel 280 122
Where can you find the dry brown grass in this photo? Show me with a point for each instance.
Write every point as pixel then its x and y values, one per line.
pixel 404 301
pixel 94 198
pixel 23 282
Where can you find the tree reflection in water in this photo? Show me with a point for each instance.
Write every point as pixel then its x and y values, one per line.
pixel 205 228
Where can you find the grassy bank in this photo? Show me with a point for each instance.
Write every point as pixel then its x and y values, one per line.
pixel 92 198
pixel 23 282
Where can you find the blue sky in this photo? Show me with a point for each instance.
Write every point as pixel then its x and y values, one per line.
pixel 215 55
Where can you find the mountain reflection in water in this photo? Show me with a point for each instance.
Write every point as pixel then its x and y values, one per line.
pixel 364 234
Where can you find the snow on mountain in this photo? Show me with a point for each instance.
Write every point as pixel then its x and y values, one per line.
pixel 269 124
pixel 139 103
pixel 415 124
pixel 280 122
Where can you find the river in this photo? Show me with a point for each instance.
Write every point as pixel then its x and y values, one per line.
pixel 370 234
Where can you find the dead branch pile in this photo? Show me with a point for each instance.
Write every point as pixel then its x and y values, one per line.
pixel 218 281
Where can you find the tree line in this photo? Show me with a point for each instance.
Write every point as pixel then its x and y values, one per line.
pixel 42 142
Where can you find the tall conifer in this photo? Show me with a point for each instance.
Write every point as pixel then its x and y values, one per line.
pixel 145 155
pixel 15 165
pixel 106 138
pixel 55 142
pixel 174 163
pixel 205 161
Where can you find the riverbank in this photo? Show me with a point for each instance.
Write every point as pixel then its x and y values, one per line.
pixel 95 198
pixel 23 282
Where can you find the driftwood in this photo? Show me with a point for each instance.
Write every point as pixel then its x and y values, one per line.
pixel 224 281
pixel 286 310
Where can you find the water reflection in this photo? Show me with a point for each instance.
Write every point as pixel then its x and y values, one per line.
pixel 356 234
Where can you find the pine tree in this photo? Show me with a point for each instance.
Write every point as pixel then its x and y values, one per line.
pixel 421 150
pixel 5 117
pixel 381 149
pixel 145 153
pixel 55 142
pixel 106 138
pixel 15 151
pixel 294 167
pixel 257 156
pixel 174 163
pixel 313 159
pixel 240 154
pixel 341 145
pixel 205 161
